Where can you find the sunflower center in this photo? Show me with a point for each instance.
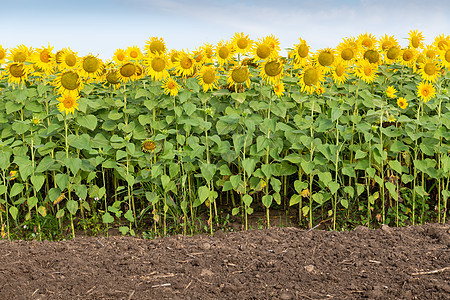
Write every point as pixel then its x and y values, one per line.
pixel 69 80
pixel 16 70
pixel 171 85
pixel 44 56
pixel 157 46
pixel 386 45
pixel 431 54
pixel 263 51
pixel 186 63
pixel 133 54
pixel 441 45
pixel 347 54
pixel 149 145
pixel 242 43
pixel 70 60
pixel 120 56
pixel 112 77
pixel 429 69
pixel 447 55
pixel 326 58
pixel 311 77
pixel 393 53
pixel 340 69
pixel 158 64
pixel 209 76
pixel 20 56
pixel 224 52
pixel 68 102
pixel 239 75
pixel 91 64
pixel 372 56
pixel 273 68
pixel 367 70
pixel 425 92
pixel 128 70
pixel 303 50
pixel 198 57
pixel 2 54
pixel 367 43
pixel 415 41
pixel 420 59
pixel 408 55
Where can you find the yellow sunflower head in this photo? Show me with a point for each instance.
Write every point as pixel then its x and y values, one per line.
pixel 311 78
pixel 239 76
pixel 157 65
pixel 208 53
pixel 444 56
pixel 300 54
pixel 20 54
pixel 366 71
pixel 415 39
pixel 409 56
pixel 402 103
pixel 91 67
pixel 442 42
pixel 127 72
pixel 170 86
pixel 120 56
pixel 185 66
pixel 278 89
pixel 68 102
pixel 155 45
pixel 43 59
pixel 372 56
pixel 271 71
pixel 325 57
pixel 393 54
pixel 430 70
pixel 149 145
pixel 134 53
pixel 367 41
pixel 112 79
pixel 426 91
pixel 224 53
pixel 339 73
pixel 348 48
pixel 390 92
pixel 207 78
pixel 68 81
pixel 17 72
pixel 68 60
pixel 2 54
pixel 243 44
pixel 387 42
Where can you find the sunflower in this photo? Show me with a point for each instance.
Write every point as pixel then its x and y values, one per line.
pixel 393 54
pixel 408 57
pixel 300 54
pixel 185 66
pixel 224 53
pixel 127 72
pixel 426 91
pixel 442 42
pixel 242 43
pixel 239 76
pixel 348 48
pixel 390 92
pixel 120 56
pixel 208 78
pixel 402 103
pixel 148 145
pixel 68 59
pixel 366 71
pixel 266 48
pixel 112 79
pixel 339 73
pixel 199 57
pixel 278 89
pixel 68 102
pixel 367 41
pixel 2 54
pixel 415 39
pixel 387 42
pixel 43 60
pixel 155 45
pixel 271 71
pixel 170 87
pixel 17 72
pixel 91 67
pixel 311 78
pixel 319 90
pixel 134 53
pixel 325 57
pixel 430 70
pixel 157 66
pixel 444 56
pixel 208 53
pixel 430 52
pixel 20 54
pixel 372 56
pixel 68 81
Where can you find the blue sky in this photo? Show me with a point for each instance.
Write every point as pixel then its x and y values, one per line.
pixel 102 26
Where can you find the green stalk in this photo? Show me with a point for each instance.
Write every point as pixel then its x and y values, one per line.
pixel 66 128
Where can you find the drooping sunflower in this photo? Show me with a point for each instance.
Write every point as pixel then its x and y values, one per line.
pixel 20 54
pixel 367 41
pixel 157 66
pixel 185 66
pixel 415 39
pixel 387 42
pixel 224 53
pixel 430 70
pixel 325 57
pixel 68 81
pixel 402 103
pixel 120 56
pixel 207 78
pixel 243 44
pixel 311 78
pixel 68 60
pixel 17 72
pixel 372 56
pixel 127 72
pixel 442 42
pixel 170 87
pixel 155 45
pixel 408 57
pixel 392 55
pixel 300 54
pixel 43 60
pixel 426 91
pixel 2 54
pixel 271 71
pixel 366 71
pixel 278 88
pixel 111 79
pixel 340 73
pixel 348 49
pixel 148 145
pixel 239 76
pixel 208 53
pixel 68 102
pixel 134 53
pixel 390 92
pixel 444 56
pixel 91 67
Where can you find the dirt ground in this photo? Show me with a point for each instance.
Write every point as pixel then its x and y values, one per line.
pixel 278 263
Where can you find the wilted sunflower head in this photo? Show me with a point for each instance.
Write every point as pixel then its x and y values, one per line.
pixel 393 53
pixel 372 56
pixel 148 146
pixel 326 57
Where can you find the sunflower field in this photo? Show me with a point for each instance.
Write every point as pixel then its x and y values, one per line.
pixel 356 134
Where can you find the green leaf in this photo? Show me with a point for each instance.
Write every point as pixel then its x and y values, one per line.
pixel 37 181
pixel 32 202
pixel 203 194
pixel 5 157
pixel 307 166
pixel 235 211
pixel 13 212
pixel 344 203
pixel 3 190
pixel 392 189
pixel 62 181
pixel 249 165
pixel 325 177
pixel 81 191
pixel 421 191
pixel 300 186
pixel 72 206
pixel 16 189
pixel 336 113
pixel 360 154
pixel 396 166
pixel 12 107
pixel 165 179
pixel 107 218
pixel 60 213
pixel 129 215
pixel 295 199
pixel 74 164
pixel 235 180
pixel 318 197
pixel 124 230
pixel 276 184
pixel 407 178
pixel 208 171
pixel 247 199
pixel 45 164
pixel 89 121
pixel 334 187
pixel 42 211
pixel 267 200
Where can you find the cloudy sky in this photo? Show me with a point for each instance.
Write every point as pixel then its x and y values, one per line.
pixel 102 26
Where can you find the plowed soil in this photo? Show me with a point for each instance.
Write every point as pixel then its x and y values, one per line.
pixel 277 263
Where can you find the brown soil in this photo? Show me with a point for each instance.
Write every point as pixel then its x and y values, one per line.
pixel 278 263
